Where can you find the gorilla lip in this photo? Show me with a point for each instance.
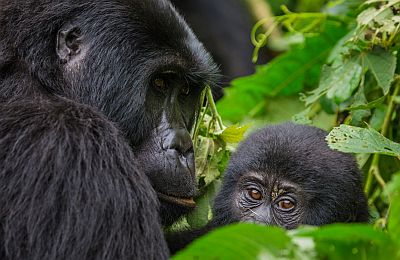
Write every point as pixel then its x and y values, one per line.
pixel 187 202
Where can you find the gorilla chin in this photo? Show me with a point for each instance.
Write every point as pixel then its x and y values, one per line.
pixel 176 197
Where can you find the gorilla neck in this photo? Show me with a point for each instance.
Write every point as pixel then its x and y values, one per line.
pixel 18 84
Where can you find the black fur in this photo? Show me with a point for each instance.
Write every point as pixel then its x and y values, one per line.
pixel 327 184
pixel 70 189
pixel 86 137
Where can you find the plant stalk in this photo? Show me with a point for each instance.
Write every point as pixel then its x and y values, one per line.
pixel 374 168
pixel 213 108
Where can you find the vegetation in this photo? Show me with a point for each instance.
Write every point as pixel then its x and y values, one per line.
pixel 339 67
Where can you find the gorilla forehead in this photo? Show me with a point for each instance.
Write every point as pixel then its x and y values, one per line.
pixel 295 153
pixel 152 29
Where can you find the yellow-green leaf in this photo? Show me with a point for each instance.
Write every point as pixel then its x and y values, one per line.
pixel 234 133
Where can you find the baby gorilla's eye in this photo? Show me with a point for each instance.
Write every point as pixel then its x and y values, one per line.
pixel 255 194
pixel 285 204
pixel 160 84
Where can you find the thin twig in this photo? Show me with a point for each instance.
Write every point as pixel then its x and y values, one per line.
pixel 213 108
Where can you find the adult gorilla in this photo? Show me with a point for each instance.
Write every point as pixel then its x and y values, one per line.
pixel 96 100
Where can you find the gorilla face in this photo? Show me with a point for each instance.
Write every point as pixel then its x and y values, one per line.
pixel 152 86
pixel 269 201
pixel 148 82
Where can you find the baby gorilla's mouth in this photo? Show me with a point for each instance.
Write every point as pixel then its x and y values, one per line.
pixel 186 202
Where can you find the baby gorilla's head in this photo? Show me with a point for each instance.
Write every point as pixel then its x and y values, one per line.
pixel 287 175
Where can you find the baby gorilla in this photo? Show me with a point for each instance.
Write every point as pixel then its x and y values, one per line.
pixel 286 175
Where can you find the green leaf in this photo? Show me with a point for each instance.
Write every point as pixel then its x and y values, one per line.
pixel 343 81
pixel 359 108
pixel 350 241
pixel 202 213
pixel 378 117
pixel 303 117
pixel 382 64
pixel 393 188
pixel 337 82
pixel 204 149
pixel 372 104
pixel 240 241
pixel 234 133
pixel 342 47
pixel 350 139
pixel 367 16
pixel 373 15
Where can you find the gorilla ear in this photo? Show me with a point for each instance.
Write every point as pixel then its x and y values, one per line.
pixel 69 41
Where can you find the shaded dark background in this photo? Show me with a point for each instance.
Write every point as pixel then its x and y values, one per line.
pixel 224 27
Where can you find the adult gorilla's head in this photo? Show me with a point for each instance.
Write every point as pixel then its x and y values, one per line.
pixel 134 60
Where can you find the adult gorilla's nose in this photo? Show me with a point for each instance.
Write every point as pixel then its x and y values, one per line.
pixel 179 140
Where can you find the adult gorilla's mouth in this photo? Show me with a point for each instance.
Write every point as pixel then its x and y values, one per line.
pixel 186 202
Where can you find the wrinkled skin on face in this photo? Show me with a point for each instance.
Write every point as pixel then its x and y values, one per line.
pixel 269 201
pixel 167 155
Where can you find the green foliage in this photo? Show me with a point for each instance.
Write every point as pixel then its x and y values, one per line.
pixel 213 143
pixel 265 242
pixel 352 139
pixel 340 71
pixel 288 74
pixel 338 241
pixel 382 64
pixel 393 189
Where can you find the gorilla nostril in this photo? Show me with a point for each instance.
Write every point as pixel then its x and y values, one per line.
pixel 178 140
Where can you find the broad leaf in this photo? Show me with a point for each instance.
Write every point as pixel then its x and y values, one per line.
pixel 352 139
pixel 202 214
pixel 241 241
pixel 382 64
pixel 393 189
pixel 234 133
pixel 338 82
pixel 350 241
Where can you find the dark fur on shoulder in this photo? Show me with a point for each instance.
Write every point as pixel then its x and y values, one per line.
pixel 88 203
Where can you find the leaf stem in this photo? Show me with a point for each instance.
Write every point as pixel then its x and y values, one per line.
pixel 213 108
pixel 374 168
pixel 200 118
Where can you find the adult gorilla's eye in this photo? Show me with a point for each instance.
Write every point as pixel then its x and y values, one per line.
pixel 160 84
pixel 285 204
pixel 255 194
pixel 185 89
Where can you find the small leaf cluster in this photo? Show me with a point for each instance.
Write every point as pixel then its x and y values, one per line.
pixel 213 143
